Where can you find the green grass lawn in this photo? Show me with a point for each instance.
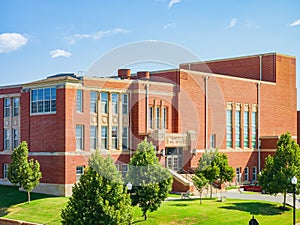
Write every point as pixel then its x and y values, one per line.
pixel 46 209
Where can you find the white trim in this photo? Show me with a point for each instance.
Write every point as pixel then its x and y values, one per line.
pixel 10 95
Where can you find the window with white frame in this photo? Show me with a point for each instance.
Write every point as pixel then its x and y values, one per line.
pixel 157 117
pixel 246 174
pixel 164 117
pixel 5 171
pixel 104 137
pixel 253 129
pixel 43 100
pixel 124 104
pixel 16 139
pixel 246 129
pixel 6 139
pixel 7 104
pixel 114 137
pixel 104 102
pixel 238 174
pixel 124 170
pixel 254 172
pixel 125 138
pixel 79 101
pixel 229 128
pixel 151 110
pixel 16 106
pixel 79 172
pixel 93 137
pixel 237 129
pixel 79 137
pixel 93 101
pixel 114 103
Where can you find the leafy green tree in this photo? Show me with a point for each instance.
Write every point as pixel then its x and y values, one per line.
pixel 151 182
pixel 200 182
pixel 279 169
pixel 23 172
pixel 214 167
pixel 99 197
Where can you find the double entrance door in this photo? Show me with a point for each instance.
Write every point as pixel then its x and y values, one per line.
pixel 174 158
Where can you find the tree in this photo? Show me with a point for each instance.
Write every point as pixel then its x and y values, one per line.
pixel 279 169
pixel 150 181
pixel 214 166
pixel 99 197
pixel 200 182
pixel 23 172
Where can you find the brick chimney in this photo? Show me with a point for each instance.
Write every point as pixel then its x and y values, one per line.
pixel 124 73
pixel 144 75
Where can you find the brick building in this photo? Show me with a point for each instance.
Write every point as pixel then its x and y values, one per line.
pixel 239 106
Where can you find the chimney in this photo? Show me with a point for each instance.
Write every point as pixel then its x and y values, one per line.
pixel 143 75
pixel 124 73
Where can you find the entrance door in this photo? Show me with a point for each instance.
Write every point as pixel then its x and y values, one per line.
pixel 174 158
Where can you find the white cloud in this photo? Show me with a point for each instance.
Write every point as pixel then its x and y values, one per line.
pixel 173 2
pixel 59 53
pixel 232 23
pixel 95 36
pixel 295 23
pixel 169 25
pixel 11 42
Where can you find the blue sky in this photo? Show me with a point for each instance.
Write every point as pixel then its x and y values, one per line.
pixel 41 38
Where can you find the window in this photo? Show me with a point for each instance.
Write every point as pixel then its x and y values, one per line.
pixel 246 174
pixel 157 117
pixel 124 170
pixel 125 138
pixel 104 102
pixel 5 171
pixel 253 126
pixel 6 139
pixel 254 173
pixel 15 138
pixel 79 137
pixel 43 100
pixel 246 129
pixel 16 106
pixel 212 141
pixel 79 172
pixel 117 167
pixel 104 137
pixel 238 174
pixel 7 107
pixel 79 101
pixel 165 113
pixel 114 103
pixel 124 104
pixel 93 102
pixel 151 109
pixel 114 138
pixel 93 137
pixel 229 128
pixel 237 129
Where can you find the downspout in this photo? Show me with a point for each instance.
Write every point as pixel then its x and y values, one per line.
pixel 258 111
pixel 206 112
pixel 147 107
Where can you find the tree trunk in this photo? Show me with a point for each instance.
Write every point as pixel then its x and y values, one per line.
pixel 200 198
pixel 145 216
pixel 211 190
pixel 28 195
pixel 284 199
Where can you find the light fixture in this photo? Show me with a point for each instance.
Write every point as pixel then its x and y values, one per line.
pixel 294 180
pixel 129 186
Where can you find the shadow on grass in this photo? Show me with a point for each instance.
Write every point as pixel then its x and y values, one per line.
pixel 10 195
pixel 255 208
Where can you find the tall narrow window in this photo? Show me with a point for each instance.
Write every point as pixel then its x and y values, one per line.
pixel 7 107
pixel 79 137
pixel 79 101
pixel 104 137
pixel 238 174
pixel 125 138
pixel 157 117
pixel 114 138
pixel 16 106
pixel 246 174
pixel 15 138
pixel 124 170
pixel 237 129
pixel 254 173
pixel 5 171
pixel 104 102
pixel 246 129
pixel 93 102
pixel 79 172
pixel 212 141
pixel 151 109
pixel 93 137
pixel 229 128
pixel 164 122
pixel 125 104
pixel 114 102
pixel 253 128
pixel 6 139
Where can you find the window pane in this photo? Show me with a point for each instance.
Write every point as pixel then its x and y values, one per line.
pixel 237 129
pixel 151 109
pixel 254 138
pixel 7 107
pixel 43 100
pixel 114 102
pixel 114 137
pixel 79 101
pixel 229 128
pixel 15 138
pixel 158 117
pixel 93 137
pixel 79 137
pixel 104 137
pixel 16 106
pixel 125 138
pixel 93 102
pixel 47 92
pixel 104 102
pixel 125 104
pixel 6 139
